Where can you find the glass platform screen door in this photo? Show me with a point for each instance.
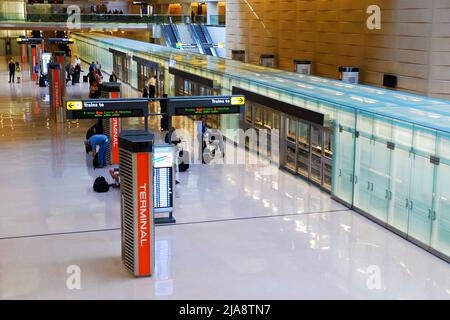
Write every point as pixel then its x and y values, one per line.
pixel 420 201
pixel 372 167
pixel 440 215
pixel 344 155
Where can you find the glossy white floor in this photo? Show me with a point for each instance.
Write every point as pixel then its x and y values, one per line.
pixel 239 236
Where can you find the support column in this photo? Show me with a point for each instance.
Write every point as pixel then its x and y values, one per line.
pixel 186 12
pixel 212 12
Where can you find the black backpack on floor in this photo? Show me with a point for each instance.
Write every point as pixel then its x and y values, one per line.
pixel 183 164
pixel 100 184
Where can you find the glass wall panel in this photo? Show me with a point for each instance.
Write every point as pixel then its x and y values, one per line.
pixel 291 138
pixel 424 141
pixel 382 128
pixel 372 170
pixel 440 216
pixel 316 154
pixel 343 158
pixel 380 180
pixel 421 199
pixel 400 184
pixel 303 149
pixel 400 174
pixel 328 143
pixel 363 172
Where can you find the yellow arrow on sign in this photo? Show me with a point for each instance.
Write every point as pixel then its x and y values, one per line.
pixel 74 105
pixel 237 100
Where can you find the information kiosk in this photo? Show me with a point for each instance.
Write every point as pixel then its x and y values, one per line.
pixel 34 45
pixel 57 111
pixel 59 57
pixel 138 228
pixel 163 181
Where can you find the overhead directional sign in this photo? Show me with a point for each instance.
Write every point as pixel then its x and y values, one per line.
pixel 237 100
pixel 61 40
pixel 106 108
pixel 29 40
pixel 180 45
pixel 206 105
pixel 74 105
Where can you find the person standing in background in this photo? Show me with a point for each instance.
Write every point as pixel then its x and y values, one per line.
pixel 113 77
pixel 68 72
pixel 36 72
pixel 152 86
pixel 12 70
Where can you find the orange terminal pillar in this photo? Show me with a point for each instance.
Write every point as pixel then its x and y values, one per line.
pixel 59 57
pixel 136 186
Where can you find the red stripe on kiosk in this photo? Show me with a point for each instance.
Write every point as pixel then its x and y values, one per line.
pixel 23 49
pixel 33 62
pixel 60 58
pixel 57 111
pixel 112 126
pixel 114 135
pixel 137 213
pixel 143 204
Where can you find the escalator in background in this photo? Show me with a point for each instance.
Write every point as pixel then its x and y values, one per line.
pixel 170 35
pixel 188 38
pixel 202 35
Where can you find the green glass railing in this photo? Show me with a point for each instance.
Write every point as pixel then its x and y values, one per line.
pixel 217 20
pixel 12 16
pixel 118 18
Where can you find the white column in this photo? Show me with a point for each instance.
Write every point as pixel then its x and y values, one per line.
pixel 186 11
pixel 212 9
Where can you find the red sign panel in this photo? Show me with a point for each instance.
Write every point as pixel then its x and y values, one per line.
pixel 33 59
pixel 143 205
pixel 56 89
pixel 115 132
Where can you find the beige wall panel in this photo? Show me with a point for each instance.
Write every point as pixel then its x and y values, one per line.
pixel 413 43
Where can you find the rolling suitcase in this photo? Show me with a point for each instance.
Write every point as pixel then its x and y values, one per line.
pixel 85 79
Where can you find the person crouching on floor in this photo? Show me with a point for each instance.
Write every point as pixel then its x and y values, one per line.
pixel 102 141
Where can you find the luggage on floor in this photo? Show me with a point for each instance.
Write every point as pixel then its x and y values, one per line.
pixel 183 163
pixel 42 82
pixel 85 79
pixel 101 185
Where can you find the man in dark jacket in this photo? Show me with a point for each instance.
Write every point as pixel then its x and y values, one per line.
pixel 113 77
pixel 12 70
